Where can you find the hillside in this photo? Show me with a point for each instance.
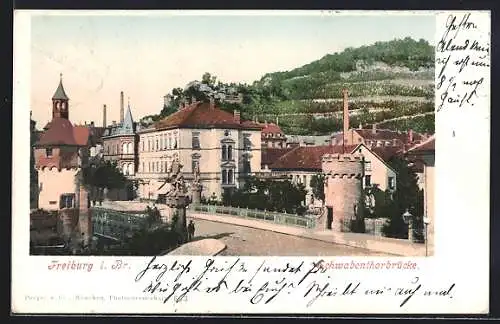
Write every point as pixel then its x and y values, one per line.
pixel 390 83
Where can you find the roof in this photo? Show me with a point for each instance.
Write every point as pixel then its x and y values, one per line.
pixel 271 128
pixel 270 155
pixel 308 157
pixel 62 132
pixel 203 115
pixel 60 93
pixel 384 153
pixel 309 139
pixel 126 127
pixel 427 146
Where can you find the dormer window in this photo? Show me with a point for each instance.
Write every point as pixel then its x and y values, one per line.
pixel 48 152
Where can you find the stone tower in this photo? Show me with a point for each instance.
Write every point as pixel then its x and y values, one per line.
pixel 343 188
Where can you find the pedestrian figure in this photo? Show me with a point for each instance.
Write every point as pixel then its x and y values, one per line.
pixel 190 230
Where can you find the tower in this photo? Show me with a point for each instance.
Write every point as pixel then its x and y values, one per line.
pixel 343 189
pixel 104 122
pixel 60 100
pixel 122 108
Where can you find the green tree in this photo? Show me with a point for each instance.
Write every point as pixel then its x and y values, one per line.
pixel 407 196
pixel 317 185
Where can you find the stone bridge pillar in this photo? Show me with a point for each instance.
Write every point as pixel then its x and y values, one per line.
pixel 178 205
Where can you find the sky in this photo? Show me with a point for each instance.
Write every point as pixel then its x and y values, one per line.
pixel 146 56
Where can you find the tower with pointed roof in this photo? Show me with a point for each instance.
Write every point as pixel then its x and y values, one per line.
pixel 60 102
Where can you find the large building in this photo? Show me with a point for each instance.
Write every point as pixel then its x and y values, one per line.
pixel 120 143
pixel 272 136
pixel 60 153
pixel 223 147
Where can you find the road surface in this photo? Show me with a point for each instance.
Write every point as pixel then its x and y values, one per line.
pixel 245 241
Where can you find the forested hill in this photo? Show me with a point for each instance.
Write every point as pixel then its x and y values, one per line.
pixel 390 83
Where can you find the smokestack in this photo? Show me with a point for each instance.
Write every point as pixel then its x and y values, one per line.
pixel 346 114
pixel 122 108
pixel 237 116
pixel 104 116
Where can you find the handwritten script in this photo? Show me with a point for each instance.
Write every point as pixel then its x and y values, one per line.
pixel 462 58
pixel 271 280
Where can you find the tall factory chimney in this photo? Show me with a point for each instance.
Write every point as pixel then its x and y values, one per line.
pixel 122 108
pixel 104 116
pixel 346 117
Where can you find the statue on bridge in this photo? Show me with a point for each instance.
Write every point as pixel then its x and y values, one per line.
pixel 176 179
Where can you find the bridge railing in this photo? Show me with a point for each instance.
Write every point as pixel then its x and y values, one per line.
pixel 116 224
pixel 275 217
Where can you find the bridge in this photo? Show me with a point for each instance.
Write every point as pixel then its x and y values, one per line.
pixel 116 225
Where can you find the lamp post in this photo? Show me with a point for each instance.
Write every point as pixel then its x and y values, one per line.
pixel 426 223
pixel 408 219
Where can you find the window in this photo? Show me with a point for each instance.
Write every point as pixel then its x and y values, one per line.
pixel 230 176
pixel 224 152
pixel 224 176
pixel 368 166
pixel 142 145
pixel 157 166
pixel 246 165
pixel 304 179
pixel 124 148
pixel 66 201
pixel 226 133
pixel 143 166
pixel 169 141
pixel 368 181
pixel 229 152
pixel 196 140
pixel 194 163
pixel 149 166
pixel 165 141
pixel 157 143
pixel 130 169
pixel 161 142
pixel 391 183
pixel 247 143
pixel 125 169
pixel 48 151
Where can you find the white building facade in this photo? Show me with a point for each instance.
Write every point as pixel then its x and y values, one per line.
pixel 224 148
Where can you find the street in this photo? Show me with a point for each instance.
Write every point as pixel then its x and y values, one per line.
pixel 247 241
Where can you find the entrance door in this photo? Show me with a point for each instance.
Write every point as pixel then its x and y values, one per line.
pixel 329 217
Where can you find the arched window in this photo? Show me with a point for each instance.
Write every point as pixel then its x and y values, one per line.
pixel 224 152
pixel 169 142
pixel 130 169
pixel 124 148
pixel 130 148
pixel 229 152
pixel 161 142
pixel 224 176
pixel 125 169
pixel 230 176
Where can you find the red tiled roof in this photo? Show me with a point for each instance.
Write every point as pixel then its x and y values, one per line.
pixel 62 132
pixel 270 155
pixel 271 128
pixel 202 115
pixel 383 134
pixel 81 134
pixel 386 152
pixel 308 157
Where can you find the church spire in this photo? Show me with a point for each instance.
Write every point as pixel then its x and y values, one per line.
pixel 60 101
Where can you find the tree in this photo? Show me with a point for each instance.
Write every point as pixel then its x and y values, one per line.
pixel 407 196
pixel 103 174
pixel 317 185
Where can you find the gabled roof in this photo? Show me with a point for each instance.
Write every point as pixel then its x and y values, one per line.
pixel 60 93
pixel 271 128
pixel 62 132
pixel 383 153
pixel 203 115
pixel 307 157
pixel 427 146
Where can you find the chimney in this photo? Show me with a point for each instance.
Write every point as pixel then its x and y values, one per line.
pixel 346 114
pixel 104 116
pixel 122 108
pixel 374 129
pixel 410 135
pixel 237 116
